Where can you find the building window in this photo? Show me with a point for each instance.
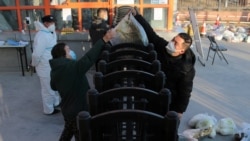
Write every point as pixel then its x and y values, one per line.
pixel 31 2
pixel 126 1
pixel 66 18
pixel 156 17
pixel 57 2
pixel 8 20
pixel 57 13
pixel 7 2
pixel 87 18
pixel 76 14
pixel 155 1
pixel 88 0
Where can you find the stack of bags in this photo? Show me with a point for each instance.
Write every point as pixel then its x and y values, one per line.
pixel 205 125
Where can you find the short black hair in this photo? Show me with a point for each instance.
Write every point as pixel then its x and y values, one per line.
pixel 58 51
pixel 48 18
pixel 187 39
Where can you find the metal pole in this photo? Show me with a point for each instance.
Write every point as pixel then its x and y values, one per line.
pixel 219 5
pixel 31 68
pixel 226 3
pixel 31 46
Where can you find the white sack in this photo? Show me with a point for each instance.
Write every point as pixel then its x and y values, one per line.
pixel 226 126
pixel 129 30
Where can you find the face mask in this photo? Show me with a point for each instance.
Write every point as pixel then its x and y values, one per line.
pixel 72 54
pixel 105 18
pixel 52 28
pixel 170 48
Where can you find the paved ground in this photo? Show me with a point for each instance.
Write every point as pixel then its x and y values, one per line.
pixel 220 90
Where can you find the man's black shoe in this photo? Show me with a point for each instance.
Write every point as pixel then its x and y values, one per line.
pixel 55 112
pixel 57 107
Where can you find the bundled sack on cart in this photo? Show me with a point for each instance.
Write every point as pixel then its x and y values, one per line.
pixel 129 30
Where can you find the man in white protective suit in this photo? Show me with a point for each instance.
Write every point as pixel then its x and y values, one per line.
pixel 44 41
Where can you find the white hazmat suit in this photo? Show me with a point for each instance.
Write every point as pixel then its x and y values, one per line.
pixel 44 41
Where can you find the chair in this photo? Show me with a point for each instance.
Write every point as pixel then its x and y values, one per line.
pixel 129 98
pixel 216 48
pixel 128 64
pixel 130 46
pixel 129 54
pixel 129 78
pixel 128 125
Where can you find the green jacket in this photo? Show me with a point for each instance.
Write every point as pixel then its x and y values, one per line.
pixel 69 79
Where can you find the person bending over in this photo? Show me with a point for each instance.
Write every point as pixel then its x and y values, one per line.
pixel 68 78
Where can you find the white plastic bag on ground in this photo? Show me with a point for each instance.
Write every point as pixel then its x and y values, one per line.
pixel 195 119
pixel 195 134
pixel 218 37
pixel 226 126
pixel 228 35
pixel 216 33
pixel 238 38
pixel 129 30
pixel 244 134
pixel 209 27
pixel 247 39
pixel 204 121
pixel 241 30
pixel 246 130
pixel 232 28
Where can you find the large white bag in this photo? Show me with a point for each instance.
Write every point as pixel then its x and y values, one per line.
pixel 129 30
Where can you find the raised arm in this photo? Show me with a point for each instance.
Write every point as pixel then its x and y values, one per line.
pixel 86 62
pixel 151 34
